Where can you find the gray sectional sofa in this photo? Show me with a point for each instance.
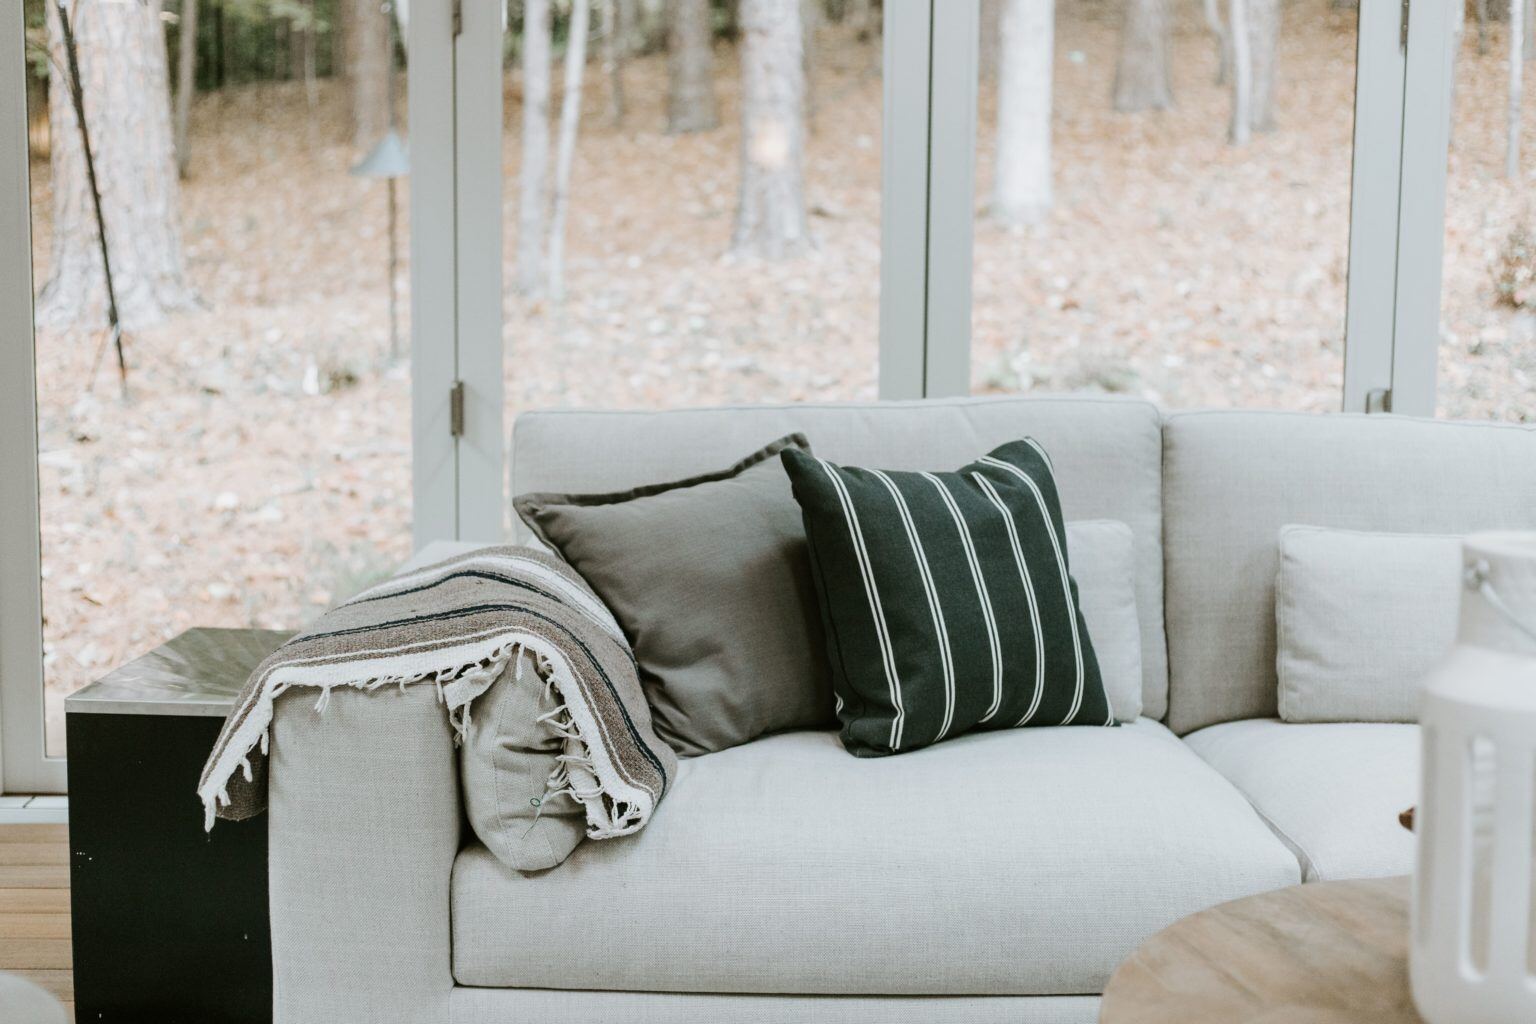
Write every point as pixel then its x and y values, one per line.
pixel 995 877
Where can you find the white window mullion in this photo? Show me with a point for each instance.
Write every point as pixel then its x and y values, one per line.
pixel 1374 207
pixel 24 764
pixel 478 116
pixel 927 185
pixel 455 126
pixel 1427 86
pixel 907 39
pixel 953 77
pixel 434 314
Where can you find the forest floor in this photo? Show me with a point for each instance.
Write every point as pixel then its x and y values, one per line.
pixel 259 467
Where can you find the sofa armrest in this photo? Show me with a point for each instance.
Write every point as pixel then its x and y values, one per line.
pixel 363 824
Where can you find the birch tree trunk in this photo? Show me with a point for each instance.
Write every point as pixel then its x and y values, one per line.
pixel 861 17
pixel 989 55
pixel 186 68
pixel 535 169
pixel 1263 51
pixel 1218 29
pixel 1240 128
pixel 810 22
pixel 615 32
pixel 1022 192
pixel 1141 80
pixel 691 68
pixel 565 154
pixel 770 210
pixel 127 108
pixel 1516 87
pixel 368 50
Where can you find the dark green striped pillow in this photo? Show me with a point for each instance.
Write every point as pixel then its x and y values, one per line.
pixel 947 599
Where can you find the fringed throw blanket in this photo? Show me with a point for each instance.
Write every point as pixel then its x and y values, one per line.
pixel 457 625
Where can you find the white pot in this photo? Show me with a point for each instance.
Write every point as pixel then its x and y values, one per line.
pixel 1472 952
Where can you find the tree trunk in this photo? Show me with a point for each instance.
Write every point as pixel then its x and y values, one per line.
pixel 1022 193
pixel 186 84
pixel 1530 29
pixel 535 170
pixel 1263 50
pixel 1240 128
pixel 1141 80
pixel 1516 84
pixel 861 17
pixel 126 94
pixel 615 33
pixel 989 53
pixel 810 21
pixel 770 210
pixel 1218 29
pixel 565 154
pixel 368 50
pixel 651 23
pixel 691 67
pixel 298 33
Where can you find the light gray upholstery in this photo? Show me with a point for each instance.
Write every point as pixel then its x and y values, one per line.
pixel 1103 557
pixel 1107 455
pixel 363 824
pixel 537 1006
pixel 998 876
pixel 1014 862
pixel 1232 479
pixel 1360 618
pixel 1332 791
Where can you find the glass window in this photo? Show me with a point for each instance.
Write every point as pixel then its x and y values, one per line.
pixel 1487 365
pixel 223 404
pixel 692 202
pixel 1161 212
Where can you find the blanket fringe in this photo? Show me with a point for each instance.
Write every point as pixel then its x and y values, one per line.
pixel 457 687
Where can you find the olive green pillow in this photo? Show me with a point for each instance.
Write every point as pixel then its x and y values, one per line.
pixel 505 763
pixel 710 579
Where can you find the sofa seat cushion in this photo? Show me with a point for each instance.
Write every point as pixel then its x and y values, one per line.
pixel 1332 791
pixel 1017 862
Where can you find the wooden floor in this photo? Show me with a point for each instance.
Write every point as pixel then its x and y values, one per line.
pixel 34 906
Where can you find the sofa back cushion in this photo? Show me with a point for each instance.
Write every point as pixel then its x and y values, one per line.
pixel 1232 479
pixel 1107 453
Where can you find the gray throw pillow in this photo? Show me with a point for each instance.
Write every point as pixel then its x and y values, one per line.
pixel 1360 617
pixel 1103 554
pixel 710 580
pixel 505 763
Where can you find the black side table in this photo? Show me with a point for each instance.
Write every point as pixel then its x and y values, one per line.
pixel 169 922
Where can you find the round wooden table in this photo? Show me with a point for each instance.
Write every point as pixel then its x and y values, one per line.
pixel 1324 953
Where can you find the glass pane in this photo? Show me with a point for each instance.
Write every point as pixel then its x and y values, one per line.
pixel 680 283
pixel 240 454
pixel 1127 239
pixel 1487 367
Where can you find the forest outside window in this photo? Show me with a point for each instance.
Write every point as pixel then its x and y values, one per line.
pixel 223 425
pixel 678 202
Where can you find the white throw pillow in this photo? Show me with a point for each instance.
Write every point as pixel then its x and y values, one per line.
pixel 1102 557
pixel 1359 619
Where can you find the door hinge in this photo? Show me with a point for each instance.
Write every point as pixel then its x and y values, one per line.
pixel 456 409
pixel 1402 31
pixel 458 17
pixel 1378 400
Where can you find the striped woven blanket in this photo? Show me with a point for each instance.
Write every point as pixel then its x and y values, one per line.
pixel 457 625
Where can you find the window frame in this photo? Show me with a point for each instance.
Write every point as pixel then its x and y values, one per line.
pixel 928 150
pixel 24 762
